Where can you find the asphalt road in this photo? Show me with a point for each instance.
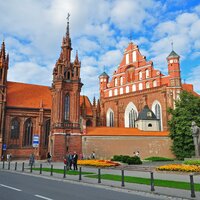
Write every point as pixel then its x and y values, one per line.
pixel 15 186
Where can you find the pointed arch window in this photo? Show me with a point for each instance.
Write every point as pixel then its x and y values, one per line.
pixel 158 114
pixel 130 115
pixel 28 133
pixel 46 132
pixel 132 118
pixel 14 133
pixel 110 118
pixel 67 107
pixel 68 75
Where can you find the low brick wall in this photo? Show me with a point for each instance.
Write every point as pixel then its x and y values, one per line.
pixel 107 146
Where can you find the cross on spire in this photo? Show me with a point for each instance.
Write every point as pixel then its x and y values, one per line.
pixel 172 44
pixel 68 15
pixel 130 37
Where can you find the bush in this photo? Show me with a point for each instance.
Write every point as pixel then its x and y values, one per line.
pixel 155 159
pixel 192 162
pixel 117 158
pixel 125 159
pixel 134 160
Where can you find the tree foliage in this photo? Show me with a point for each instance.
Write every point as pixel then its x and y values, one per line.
pixel 187 110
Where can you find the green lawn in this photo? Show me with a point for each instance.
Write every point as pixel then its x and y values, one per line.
pixel 128 179
pixel 146 181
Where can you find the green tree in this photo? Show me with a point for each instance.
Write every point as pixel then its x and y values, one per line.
pixel 187 110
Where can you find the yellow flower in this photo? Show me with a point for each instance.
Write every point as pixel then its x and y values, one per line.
pixel 97 163
pixel 179 167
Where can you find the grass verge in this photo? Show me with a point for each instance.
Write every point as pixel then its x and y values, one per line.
pixel 146 181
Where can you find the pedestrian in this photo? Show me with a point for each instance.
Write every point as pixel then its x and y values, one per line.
pixel 93 156
pixel 75 159
pixel 68 161
pixel 8 157
pixel 137 154
pixel 48 158
pixel 32 160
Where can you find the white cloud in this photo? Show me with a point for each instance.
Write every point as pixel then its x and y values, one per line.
pixel 33 32
pixel 110 59
pixel 28 72
pixel 130 15
pixel 194 78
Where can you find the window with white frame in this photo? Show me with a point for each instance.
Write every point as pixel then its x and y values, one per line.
pixel 134 88
pixel 121 80
pixel 140 75
pixel 127 58
pixel 110 93
pixel 115 92
pixel 147 73
pixel 115 81
pixel 134 56
pixel 121 91
pixel 154 83
pixel 147 85
pixel 140 86
pixel 127 89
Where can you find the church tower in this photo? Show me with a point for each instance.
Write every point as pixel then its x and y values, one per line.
pixel 4 60
pixel 174 69
pixel 174 73
pixel 65 113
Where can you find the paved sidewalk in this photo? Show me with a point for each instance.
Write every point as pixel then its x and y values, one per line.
pixel 137 171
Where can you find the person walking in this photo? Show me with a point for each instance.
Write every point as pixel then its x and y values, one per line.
pixel 93 156
pixel 32 160
pixel 48 158
pixel 75 159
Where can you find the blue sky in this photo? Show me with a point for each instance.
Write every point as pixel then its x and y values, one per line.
pixel 100 31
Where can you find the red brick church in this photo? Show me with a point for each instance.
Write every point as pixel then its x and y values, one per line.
pixel 137 97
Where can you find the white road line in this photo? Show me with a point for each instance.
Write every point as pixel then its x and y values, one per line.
pixel 42 197
pixel 12 188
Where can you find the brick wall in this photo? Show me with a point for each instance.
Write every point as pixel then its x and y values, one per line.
pixel 106 147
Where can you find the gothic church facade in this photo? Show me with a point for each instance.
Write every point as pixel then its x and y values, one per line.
pixel 136 97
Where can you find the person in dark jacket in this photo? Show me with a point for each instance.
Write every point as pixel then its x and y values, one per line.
pixel 75 159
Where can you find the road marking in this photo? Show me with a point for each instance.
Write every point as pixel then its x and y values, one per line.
pixel 42 197
pixel 12 188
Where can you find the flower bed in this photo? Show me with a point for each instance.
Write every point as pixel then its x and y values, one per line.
pixel 179 167
pixel 98 163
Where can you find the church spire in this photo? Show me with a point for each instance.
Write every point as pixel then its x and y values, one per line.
pixel 3 50
pixel 66 44
pixel 67 29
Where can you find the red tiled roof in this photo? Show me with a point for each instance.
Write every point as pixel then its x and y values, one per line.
pixel 87 103
pixel 25 95
pixel 108 131
pixel 28 95
pixel 189 88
